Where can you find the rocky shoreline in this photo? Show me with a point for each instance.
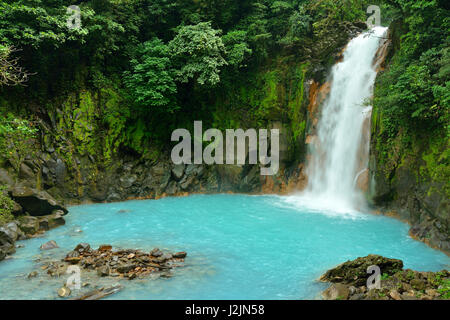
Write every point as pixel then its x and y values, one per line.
pixel 104 262
pixel 35 213
pixel 349 281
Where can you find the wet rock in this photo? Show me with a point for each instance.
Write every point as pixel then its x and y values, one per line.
pixel 113 197
pixel 103 271
pixel 172 188
pixel 25 172
pixel 123 263
pixel 156 253
pixel 165 180
pixel 51 221
pixel 100 293
pixel 29 225
pixel 5 178
pixel 73 257
pixel 186 182
pixel 105 247
pixel 418 284
pixel 432 292
pixel 60 172
pixel 128 180
pixel 64 292
pixel 6 243
pixel 355 272
pixel 178 171
pixel 32 275
pixel 12 230
pixel 357 296
pixel 6 236
pixel 36 203
pixel 395 285
pixel 395 295
pixel 17 209
pixel 49 245
pixel 180 255
pixel 407 296
pixel 337 291
pixel 83 247
pixel 125 268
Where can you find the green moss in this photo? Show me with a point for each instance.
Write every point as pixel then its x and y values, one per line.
pixel 115 117
pixel 6 207
pixel 84 124
pixel 296 102
pixel 437 164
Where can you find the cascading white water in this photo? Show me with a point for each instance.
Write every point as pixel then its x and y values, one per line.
pixel 337 155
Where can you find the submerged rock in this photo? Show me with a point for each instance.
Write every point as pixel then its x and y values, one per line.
pixel 49 245
pixel 100 293
pixel 64 292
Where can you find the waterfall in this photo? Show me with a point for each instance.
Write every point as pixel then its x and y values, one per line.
pixel 338 155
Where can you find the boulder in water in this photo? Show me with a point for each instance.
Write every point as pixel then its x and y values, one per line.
pixel 64 292
pixel 355 272
pixel 49 245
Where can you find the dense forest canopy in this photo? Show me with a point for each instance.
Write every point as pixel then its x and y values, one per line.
pixel 155 54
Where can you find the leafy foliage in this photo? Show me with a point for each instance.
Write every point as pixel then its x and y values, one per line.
pixel 16 139
pixel 6 207
pixel 199 52
pixel 151 81
pixel 11 73
pixel 414 93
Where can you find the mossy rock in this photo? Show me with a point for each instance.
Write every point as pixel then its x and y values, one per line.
pixel 355 272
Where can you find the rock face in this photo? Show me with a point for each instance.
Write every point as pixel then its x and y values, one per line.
pixel 6 243
pixel 26 227
pixel 355 272
pixel 36 203
pixel 411 179
pixel 349 282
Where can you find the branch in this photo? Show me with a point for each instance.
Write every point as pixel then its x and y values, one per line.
pixel 11 73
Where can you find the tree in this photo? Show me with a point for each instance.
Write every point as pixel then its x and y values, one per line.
pixel 198 52
pixel 11 73
pixel 16 139
pixel 237 47
pixel 151 82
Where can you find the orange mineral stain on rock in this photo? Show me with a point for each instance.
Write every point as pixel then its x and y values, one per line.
pixel 316 96
pixel 276 185
pixel 380 56
pixel 363 181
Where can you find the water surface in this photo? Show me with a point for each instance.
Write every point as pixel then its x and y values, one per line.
pixel 239 246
